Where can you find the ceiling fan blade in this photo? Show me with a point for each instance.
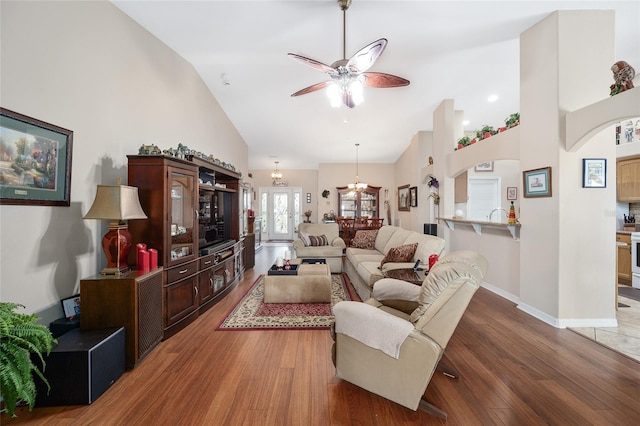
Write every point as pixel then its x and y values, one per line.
pixel 379 79
pixel 318 86
pixel 314 64
pixel 366 57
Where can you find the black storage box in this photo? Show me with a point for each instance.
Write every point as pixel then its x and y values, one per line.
pixel 431 229
pixel 63 325
pixel 81 367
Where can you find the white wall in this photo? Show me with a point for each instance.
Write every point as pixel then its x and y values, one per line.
pixel 332 175
pixel 567 252
pixel 87 67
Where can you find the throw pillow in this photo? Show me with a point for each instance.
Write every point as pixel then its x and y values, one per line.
pixel 400 254
pixel 365 239
pixel 320 240
pixel 305 238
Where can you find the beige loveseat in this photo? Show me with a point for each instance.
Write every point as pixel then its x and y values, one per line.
pixel 392 344
pixel 362 265
pixel 331 252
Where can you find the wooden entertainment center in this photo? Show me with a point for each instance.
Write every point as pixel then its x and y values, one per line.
pixel 189 203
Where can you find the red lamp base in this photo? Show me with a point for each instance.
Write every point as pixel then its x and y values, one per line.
pixel 116 244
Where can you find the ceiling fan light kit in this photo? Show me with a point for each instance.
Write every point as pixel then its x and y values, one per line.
pixel 349 77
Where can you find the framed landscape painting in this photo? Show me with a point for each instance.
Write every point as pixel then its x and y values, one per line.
pixel 35 161
pixel 537 182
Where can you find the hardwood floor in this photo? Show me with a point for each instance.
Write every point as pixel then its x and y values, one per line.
pixel 515 370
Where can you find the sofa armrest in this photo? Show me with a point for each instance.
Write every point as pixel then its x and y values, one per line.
pixel 338 242
pixel 371 326
pixel 395 294
pixel 298 244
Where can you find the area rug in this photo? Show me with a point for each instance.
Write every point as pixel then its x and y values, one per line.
pixel 251 313
pixel 630 292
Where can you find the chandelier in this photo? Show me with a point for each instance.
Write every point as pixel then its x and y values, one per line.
pixel 276 175
pixel 357 186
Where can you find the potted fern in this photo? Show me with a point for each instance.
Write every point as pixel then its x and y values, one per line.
pixel 21 336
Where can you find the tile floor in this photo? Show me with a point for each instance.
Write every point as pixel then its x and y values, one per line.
pixel 626 337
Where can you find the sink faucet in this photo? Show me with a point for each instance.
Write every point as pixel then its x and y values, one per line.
pixel 497 210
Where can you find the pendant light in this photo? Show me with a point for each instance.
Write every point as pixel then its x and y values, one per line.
pixel 357 186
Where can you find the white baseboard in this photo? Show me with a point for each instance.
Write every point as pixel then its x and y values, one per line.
pixel 544 317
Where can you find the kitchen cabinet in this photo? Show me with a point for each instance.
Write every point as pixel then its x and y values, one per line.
pixel 628 179
pixel 624 258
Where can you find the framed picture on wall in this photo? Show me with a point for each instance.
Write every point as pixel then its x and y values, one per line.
pixel 37 161
pixel 403 198
pixel 512 193
pixel 594 172
pixel 484 167
pixel 537 182
pixel 413 196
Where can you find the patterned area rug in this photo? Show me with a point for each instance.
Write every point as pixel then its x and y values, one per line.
pixel 251 313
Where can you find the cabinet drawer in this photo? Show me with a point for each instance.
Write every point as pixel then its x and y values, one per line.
pixel 623 238
pixel 182 271
pixel 207 261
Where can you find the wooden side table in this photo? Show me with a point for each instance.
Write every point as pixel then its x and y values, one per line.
pixel 132 300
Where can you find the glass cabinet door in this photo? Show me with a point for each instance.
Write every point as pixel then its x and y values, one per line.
pixel 182 216
pixel 368 205
pixel 358 204
pixel 348 205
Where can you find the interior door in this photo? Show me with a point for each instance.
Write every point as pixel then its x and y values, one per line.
pixel 281 211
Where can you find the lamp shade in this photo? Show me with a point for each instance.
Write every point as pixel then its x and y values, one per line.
pixel 116 202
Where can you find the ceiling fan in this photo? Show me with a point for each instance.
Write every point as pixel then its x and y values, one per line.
pixel 349 76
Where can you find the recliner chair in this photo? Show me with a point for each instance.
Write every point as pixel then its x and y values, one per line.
pixel 392 344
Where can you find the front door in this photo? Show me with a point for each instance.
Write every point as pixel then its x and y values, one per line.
pixel 281 211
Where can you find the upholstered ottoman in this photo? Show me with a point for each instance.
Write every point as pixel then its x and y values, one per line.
pixel 312 284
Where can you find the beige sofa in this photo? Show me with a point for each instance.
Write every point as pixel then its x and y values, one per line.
pixel 362 265
pixel 392 344
pixel 332 252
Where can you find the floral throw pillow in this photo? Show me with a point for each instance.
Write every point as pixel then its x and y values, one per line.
pixel 400 254
pixel 320 240
pixel 365 239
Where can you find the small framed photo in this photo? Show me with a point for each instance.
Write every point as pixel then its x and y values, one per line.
pixel 413 196
pixel 537 182
pixel 594 172
pixel 36 159
pixel 484 167
pixel 512 193
pixel 71 306
pixel 403 198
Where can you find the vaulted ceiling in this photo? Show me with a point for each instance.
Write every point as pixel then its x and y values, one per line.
pixel 460 50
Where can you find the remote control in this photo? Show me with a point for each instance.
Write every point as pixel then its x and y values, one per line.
pixel 415 267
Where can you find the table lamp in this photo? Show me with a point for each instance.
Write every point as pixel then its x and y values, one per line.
pixel 116 203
